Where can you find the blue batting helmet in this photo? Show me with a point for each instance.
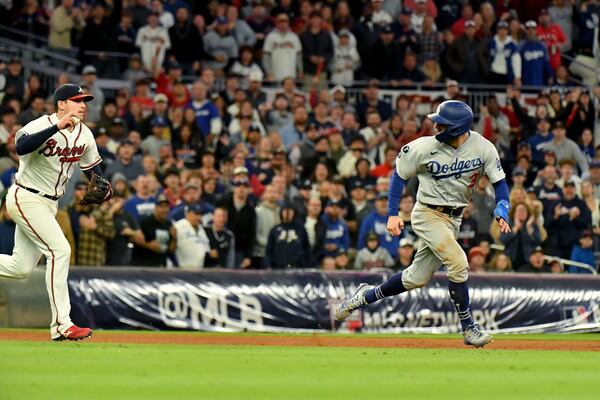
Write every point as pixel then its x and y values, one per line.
pixel 456 115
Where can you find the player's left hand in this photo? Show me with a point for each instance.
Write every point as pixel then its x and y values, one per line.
pixel 504 225
pixel 395 224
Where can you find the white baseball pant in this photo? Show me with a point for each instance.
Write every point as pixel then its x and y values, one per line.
pixel 437 245
pixel 37 233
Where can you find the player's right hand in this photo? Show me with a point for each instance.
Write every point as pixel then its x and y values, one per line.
pixel 395 224
pixel 67 121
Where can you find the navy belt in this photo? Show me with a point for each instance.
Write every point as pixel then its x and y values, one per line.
pixel 35 191
pixel 451 211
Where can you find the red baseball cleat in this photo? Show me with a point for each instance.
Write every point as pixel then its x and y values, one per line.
pixel 74 333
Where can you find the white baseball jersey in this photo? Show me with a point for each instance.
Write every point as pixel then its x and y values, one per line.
pixel 448 176
pixel 192 245
pixel 284 48
pixel 48 168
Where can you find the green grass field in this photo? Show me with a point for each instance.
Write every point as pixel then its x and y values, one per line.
pixel 89 371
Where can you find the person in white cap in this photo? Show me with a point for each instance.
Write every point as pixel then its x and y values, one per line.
pixel 345 60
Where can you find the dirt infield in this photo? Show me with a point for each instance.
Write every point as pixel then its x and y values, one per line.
pixel 308 341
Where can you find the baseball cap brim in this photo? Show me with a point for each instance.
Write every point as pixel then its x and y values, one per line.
pixel 438 119
pixel 85 97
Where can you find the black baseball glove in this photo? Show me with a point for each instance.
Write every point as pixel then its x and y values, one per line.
pixel 98 190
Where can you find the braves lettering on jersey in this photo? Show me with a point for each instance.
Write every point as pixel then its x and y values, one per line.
pixel 284 48
pixel 448 176
pixel 49 168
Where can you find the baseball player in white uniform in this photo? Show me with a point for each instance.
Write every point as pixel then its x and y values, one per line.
pixel 448 167
pixel 48 149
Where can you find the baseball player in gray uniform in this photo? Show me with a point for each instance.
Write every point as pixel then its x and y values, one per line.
pixel 48 147
pixel 448 166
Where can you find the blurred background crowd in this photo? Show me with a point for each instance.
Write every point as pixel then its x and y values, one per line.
pixel 262 134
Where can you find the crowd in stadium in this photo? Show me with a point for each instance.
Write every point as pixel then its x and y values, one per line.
pixel 211 171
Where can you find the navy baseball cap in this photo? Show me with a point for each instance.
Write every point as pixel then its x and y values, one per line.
pixel 221 20
pixel 331 202
pixel 595 164
pixel 382 196
pixel 196 208
pixel 158 121
pixel 356 185
pixel 71 91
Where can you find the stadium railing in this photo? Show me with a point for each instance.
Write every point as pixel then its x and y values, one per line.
pixel 592 269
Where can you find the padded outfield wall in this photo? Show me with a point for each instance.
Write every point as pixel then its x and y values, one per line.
pixel 300 301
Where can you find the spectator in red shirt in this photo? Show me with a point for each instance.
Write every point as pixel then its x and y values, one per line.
pixel 142 97
pixel 458 27
pixel 387 165
pixel 166 79
pixel 552 36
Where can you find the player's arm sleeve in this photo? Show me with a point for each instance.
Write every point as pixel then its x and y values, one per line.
pixel 395 192
pixel 91 158
pixel 502 200
pixel 493 169
pixel 492 166
pixel 362 233
pixel 407 161
pixel 28 143
pixel 406 167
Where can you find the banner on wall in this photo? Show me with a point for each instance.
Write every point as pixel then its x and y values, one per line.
pixel 297 301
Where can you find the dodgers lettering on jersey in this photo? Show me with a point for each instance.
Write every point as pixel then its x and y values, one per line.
pixel 49 168
pixel 448 176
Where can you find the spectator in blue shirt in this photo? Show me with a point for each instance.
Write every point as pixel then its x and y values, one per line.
pixel 543 134
pixel 536 69
pixel 376 222
pixel 337 235
pixel 143 203
pixel 583 253
pixel 208 119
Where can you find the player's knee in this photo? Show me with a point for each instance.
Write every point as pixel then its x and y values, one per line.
pixel 414 282
pixel 458 275
pixel 63 250
pixel 457 267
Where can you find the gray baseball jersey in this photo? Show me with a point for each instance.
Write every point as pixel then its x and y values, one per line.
pixel 448 176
